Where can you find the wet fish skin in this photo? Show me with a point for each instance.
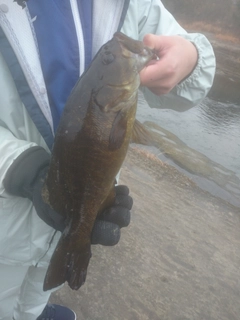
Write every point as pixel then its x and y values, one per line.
pixel 89 148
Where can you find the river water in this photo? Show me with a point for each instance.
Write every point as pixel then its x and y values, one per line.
pixel 203 142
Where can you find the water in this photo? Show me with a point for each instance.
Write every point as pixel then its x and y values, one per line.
pixel 220 126
pixel 204 142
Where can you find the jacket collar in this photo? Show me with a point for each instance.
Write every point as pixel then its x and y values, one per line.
pixel 24 45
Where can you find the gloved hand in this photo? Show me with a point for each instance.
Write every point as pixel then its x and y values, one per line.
pixel 107 227
pixel 25 178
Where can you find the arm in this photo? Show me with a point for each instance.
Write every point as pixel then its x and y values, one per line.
pixel 17 131
pixel 175 48
pixel 10 149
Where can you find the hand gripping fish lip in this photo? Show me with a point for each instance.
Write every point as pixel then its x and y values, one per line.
pixel 144 54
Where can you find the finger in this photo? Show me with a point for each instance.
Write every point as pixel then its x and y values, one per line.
pixel 150 74
pixel 123 201
pixel 117 215
pixel 160 79
pixel 105 233
pixel 161 88
pixel 121 189
pixel 155 42
pixel 148 40
pixel 163 71
pixel 159 91
pixel 59 223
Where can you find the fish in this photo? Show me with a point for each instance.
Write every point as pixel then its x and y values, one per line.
pixel 90 145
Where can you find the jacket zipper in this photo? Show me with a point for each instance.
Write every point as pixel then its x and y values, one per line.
pixel 79 31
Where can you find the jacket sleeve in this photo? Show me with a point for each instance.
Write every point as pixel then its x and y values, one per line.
pixel 17 131
pixel 10 149
pixel 154 18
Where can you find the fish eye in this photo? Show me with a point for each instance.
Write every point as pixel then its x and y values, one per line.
pixel 108 57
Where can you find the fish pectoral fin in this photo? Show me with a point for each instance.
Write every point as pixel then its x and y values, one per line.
pixel 69 263
pixel 142 135
pixel 118 131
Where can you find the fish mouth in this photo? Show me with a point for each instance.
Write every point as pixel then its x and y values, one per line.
pixel 135 46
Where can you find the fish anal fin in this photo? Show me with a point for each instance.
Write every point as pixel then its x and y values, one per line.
pixel 118 131
pixel 142 135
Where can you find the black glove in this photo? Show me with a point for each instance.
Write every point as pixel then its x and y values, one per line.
pixel 106 230
pixel 25 178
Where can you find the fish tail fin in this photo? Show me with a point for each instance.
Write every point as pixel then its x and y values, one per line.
pixel 69 263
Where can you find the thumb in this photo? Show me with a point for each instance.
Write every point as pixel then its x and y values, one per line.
pixel 155 42
pixel 105 233
pixel 149 40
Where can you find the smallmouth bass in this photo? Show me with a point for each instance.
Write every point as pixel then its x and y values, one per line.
pixel 89 148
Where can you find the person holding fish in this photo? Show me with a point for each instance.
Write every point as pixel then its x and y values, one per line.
pixel 47 199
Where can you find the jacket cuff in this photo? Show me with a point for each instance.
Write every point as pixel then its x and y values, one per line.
pixel 196 86
pixel 24 170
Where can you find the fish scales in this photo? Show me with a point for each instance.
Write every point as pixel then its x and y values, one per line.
pixel 89 148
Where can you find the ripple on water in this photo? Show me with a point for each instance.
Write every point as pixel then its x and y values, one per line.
pixel 211 129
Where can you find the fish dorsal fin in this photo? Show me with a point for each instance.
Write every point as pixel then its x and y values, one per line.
pixel 141 135
pixel 118 131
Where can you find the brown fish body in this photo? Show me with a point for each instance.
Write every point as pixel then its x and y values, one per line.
pixel 89 149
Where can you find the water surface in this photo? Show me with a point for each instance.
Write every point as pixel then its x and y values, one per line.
pixel 204 141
